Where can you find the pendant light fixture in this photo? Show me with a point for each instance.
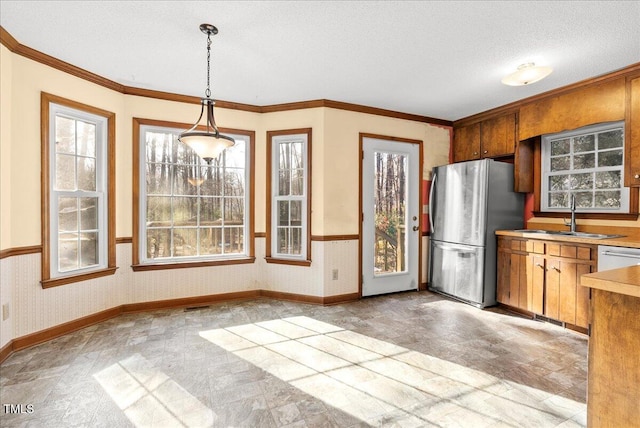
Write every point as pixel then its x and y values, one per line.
pixel 208 143
pixel 527 74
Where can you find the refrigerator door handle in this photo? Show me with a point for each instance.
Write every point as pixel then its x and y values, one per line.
pixel 433 185
pixel 453 248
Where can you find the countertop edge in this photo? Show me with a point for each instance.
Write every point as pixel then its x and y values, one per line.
pixel 622 281
pixel 627 241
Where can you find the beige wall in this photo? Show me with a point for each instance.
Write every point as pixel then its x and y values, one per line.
pixel 6 77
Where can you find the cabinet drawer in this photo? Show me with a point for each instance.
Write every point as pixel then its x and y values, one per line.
pixel 537 247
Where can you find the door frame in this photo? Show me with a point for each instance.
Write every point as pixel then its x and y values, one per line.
pixel 361 137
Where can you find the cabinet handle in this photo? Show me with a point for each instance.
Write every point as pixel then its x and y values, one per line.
pixel 475 153
pixel 539 265
pixel 485 152
pixel 636 176
pixel 555 268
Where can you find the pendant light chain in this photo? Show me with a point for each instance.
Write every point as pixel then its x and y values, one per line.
pixel 208 91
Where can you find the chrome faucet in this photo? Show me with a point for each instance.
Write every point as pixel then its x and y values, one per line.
pixel 572 223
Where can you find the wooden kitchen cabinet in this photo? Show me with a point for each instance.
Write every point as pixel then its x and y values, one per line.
pixel 632 134
pixel 466 143
pixel 542 277
pixel 498 136
pixel 491 138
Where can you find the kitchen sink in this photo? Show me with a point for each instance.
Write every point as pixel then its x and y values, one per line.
pixel 568 233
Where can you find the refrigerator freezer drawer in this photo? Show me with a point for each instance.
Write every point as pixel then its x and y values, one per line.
pixel 458 270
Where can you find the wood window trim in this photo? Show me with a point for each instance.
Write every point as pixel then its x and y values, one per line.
pixel 135 240
pixel 632 215
pixel 268 253
pixel 45 100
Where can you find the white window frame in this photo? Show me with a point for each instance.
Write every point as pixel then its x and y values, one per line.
pixel 142 253
pixel 101 192
pixel 546 167
pixel 276 141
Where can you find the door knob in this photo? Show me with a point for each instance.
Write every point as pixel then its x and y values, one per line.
pixel 416 228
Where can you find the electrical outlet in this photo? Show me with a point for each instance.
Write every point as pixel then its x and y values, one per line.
pixel 5 311
pixel 334 274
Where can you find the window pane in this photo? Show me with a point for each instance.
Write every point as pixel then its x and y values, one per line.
pixel 185 211
pixel 584 199
pixel 234 182
pixel 65 135
pixel 584 143
pixel 210 241
pixel 86 174
pixel 561 164
pixel 611 139
pixel 297 182
pixel 86 139
pixel 283 213
pixel 185 242
pixel 158 211
pixel 296 213
pixel 559 182
pixel 582 181
pixel 560 147
pixel 88 213
pixel 296 240
pixel 210 211
pixel 284 156
pixel 608 180
pixel 212 184
pixel 88 249
pixel 233 210
pixel 65 172
pixel 68 214
pixel 608 199
pixel 587 160
pixel 183 177
pixel 234 240
pixel 297 161
pixel 285 182
pixel 67 251
pixel 283 240
pixel 610 158
pixel 158 243
pixel 184 155
pixel 558 200
pixel 158 182
pixel 158 147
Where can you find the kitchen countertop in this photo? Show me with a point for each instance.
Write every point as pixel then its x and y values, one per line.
pixel 622 281
pixel 626 241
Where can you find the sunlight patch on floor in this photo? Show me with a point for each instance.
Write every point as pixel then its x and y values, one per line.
pixel 379 382
pixel 149 397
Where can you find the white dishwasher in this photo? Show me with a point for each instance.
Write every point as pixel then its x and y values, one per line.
pixel 617 257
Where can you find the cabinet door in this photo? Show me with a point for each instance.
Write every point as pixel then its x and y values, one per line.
pixel 535 281
pixel 503 275
pixel 498 136
pixel 632 137
pixel 552 290
pixel 466 143
pixel 567 292
pixel 583 295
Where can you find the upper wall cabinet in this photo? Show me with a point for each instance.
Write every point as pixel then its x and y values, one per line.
pixel 490 138
pixel 603 102
pixel 632 135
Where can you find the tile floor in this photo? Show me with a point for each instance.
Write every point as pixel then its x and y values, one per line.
pixel 408 359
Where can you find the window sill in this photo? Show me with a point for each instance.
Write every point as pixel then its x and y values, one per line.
pixel 55 282
pixel 594 216
pixel 288 261
pixel 183 265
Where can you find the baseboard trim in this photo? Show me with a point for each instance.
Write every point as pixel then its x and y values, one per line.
pixel 188 301
pixel 50 333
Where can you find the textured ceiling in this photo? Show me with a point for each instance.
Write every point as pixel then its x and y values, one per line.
pixel 442 59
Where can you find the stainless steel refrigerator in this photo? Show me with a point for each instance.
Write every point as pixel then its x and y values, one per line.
pixel 468 202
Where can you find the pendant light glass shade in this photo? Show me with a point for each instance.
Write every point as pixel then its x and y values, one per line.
pixel 208 143
pixel 527 74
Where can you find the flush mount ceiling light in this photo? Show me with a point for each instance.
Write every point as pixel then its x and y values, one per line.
pixel 208 143
pixel 526 74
